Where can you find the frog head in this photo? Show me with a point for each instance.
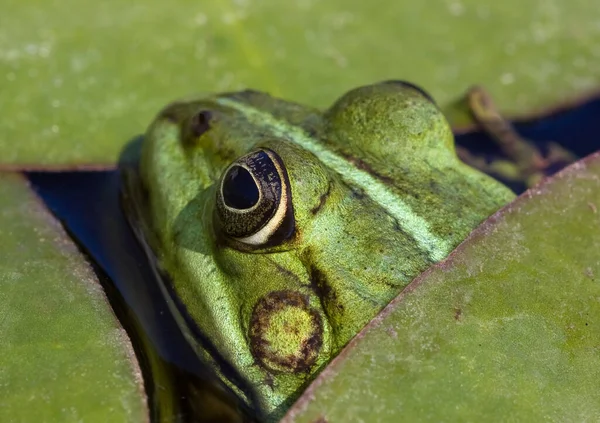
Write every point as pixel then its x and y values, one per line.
pixel 282 230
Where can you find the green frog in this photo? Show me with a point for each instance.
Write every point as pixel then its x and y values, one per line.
pixel 281 230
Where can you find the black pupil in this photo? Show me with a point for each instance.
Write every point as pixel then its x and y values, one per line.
pixel 239 189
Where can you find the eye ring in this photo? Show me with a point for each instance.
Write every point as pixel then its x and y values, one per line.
pixel 413 86
pixel 254 204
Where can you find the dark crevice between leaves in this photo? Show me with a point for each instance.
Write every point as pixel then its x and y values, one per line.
pixel 180 388
pixel 574 129
pixel 536 115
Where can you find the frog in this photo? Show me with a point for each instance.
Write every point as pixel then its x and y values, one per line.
pixel 280 230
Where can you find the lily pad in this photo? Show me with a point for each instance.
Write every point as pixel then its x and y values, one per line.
pixel 79 79
pixel 64 355
pixel 507 328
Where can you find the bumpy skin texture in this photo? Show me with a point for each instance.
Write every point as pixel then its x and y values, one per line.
pixel 378 195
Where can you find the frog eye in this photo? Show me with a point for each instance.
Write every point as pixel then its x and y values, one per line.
pixel 254 204
pixel 413 86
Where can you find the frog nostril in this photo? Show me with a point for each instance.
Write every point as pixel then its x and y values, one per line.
pixel 239 189
pixel 200 123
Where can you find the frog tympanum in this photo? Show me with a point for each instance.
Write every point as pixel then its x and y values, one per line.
pixel 281 230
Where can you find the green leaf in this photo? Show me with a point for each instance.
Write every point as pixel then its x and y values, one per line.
pixel 64 355
pixel 506 329
pixel 79 79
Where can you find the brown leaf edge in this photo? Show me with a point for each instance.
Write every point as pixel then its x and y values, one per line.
pixel 544 186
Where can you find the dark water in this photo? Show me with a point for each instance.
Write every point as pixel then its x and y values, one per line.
pixel 576 129
pixel 88 205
